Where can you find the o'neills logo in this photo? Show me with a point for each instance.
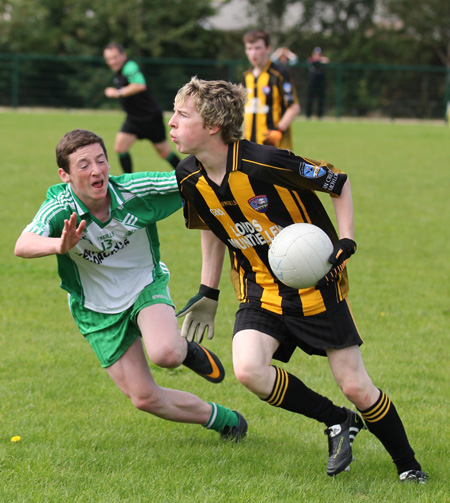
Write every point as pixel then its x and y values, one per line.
pixel 259 203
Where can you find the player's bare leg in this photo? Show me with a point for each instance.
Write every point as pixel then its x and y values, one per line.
pixel 132 375
pixel 377 410
pixel 166 348
pixel 252 356
pixel 164 345
pixel 348 369
pixel 123 142
pixel 165 152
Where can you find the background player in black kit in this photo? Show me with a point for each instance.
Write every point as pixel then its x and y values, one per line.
pixel 144 117
pixel 240 194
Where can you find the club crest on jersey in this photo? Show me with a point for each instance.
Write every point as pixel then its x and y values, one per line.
pixel 287 87
pixel 266 90
pixel 259 203
pixel 311 171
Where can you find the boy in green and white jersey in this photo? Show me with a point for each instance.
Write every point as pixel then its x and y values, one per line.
pixel 103 231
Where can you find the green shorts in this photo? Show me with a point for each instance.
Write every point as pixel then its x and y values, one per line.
pixel 110 335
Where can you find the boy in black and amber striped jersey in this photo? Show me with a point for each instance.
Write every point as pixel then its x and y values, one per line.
pixel 272 102
pixel 240 194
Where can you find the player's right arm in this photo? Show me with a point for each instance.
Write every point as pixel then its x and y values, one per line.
pixel 213 253
pixel 31 245
pixel 200 310
pixel 124 92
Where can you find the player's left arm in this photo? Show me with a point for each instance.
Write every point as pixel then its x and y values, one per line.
pixel 343 208
pixel 346 246
pixel 274 136
pixel 292 104
pixel 291 113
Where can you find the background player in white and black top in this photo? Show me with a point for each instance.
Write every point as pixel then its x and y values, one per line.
pixel 144 118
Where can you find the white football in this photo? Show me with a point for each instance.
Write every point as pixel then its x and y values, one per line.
pixel 298 255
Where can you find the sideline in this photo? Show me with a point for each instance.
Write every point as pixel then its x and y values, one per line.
pixel 301 118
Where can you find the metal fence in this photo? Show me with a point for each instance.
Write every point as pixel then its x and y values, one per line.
pixel 354 90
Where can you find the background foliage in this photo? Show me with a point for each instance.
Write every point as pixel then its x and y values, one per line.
pixel 394 31
pixel 51 50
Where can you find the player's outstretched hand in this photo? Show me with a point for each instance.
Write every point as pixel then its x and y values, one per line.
pixel 200 312
pixel 342 251
pixel 71 234
pixel 273 137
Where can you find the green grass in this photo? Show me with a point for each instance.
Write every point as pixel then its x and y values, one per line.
pixel 83 442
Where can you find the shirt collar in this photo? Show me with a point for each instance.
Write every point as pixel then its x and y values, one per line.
pixel 82 209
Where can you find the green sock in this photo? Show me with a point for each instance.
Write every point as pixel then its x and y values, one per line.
pixel 173 159
pixel 221 417
pixel 125 162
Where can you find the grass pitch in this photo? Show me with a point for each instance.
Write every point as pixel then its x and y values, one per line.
pixel 82 441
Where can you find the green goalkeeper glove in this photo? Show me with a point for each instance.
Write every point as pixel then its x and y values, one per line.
pixel 342 251
pixel 200 311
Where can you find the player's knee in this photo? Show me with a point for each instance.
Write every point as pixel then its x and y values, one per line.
pixel 355 391
pixel 147 403
pixel 166 357
pixel 248 375
pixel 162 149
pixel 119 150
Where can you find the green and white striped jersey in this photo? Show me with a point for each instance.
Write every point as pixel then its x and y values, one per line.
pixel 116 259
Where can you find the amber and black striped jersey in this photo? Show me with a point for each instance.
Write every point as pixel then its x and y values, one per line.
pixel 269 95
pixel 264 190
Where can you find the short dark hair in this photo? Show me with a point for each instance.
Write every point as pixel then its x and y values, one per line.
pixel 73 140
pixel 114 45
pixel 253 35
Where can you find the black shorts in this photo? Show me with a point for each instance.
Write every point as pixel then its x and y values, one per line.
pixel 152 127
pixel 334 329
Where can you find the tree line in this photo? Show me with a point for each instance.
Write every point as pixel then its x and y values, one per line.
pixel 361 31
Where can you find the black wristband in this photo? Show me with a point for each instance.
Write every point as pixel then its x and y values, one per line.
pixel 208 292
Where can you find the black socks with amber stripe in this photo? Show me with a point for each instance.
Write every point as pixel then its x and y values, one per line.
pixel 384 422
pixel 293 395
pixel 381 419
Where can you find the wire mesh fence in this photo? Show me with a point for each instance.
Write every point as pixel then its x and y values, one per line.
pixel 353 90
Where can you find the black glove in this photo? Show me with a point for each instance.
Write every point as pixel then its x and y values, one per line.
pixel 201 311
pixel 342 251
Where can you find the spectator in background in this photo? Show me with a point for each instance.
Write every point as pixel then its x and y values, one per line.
pixel 272 102
pixel 316 82
pixel 284 56
pixel 144 117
